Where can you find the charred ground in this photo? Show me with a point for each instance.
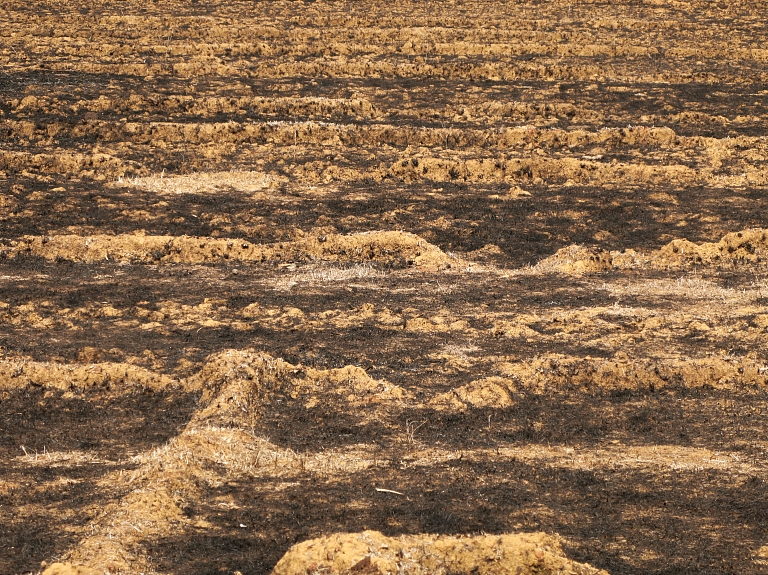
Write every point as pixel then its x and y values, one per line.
pixel 258 259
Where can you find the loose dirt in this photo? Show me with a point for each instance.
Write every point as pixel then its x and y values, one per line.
pixel 371 552
pixel 304 287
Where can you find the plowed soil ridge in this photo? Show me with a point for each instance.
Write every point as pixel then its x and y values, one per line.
pixel 744 247
pixel 237 388
pixel 503 264
pixel 389 248
pixel 112 377
pixel 608 155
pixel 371 552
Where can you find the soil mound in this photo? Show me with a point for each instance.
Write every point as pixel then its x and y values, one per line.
pixel 503 169
pixel 108 376
pixel 371 553
pixel 235 385
pixel 621 373
pixel 391 248
pixel 576 260
pixel 489 392
pixel 96 165
pixel 239 386
pixel 745 246
pixel 350 384
pixel 236 388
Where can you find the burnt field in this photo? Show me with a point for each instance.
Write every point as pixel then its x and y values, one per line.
pixel 271 271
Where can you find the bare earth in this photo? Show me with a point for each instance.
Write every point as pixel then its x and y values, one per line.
pixel 409 272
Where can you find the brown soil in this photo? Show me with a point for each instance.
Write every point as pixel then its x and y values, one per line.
pixel 370 552
pixel 427 286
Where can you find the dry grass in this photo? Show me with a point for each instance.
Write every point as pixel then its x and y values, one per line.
pixel 690 287
pixel 324 274
pixel 201 183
